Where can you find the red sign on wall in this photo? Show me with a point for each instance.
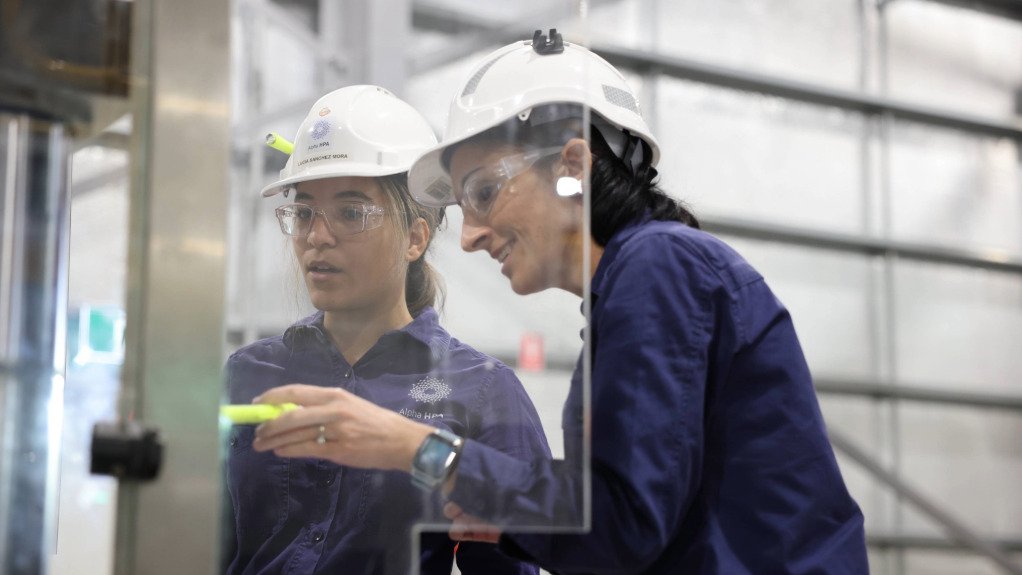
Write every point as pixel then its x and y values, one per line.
pixel 530 352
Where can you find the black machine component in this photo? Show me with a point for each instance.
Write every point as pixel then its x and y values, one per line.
pixel 126 451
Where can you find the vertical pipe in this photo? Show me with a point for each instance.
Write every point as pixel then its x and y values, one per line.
pixel 33 293
pixel 885 123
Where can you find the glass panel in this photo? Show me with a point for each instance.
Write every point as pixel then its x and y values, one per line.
pixel 96 302
pixel 761 158
pixel 955 189
pixel 958 328
pixel 330 305
pixel 954 58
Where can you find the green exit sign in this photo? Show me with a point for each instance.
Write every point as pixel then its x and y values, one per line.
pixel 100 335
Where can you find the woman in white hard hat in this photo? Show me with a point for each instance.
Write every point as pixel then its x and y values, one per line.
pixel 708 452
pixel 375 343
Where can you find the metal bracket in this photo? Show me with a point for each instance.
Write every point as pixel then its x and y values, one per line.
pixel 126 451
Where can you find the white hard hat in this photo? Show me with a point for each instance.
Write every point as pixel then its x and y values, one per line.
pixel 355 131
pixel 511 82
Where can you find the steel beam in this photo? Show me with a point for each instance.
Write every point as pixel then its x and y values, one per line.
pixel 988 259
pixel 687 69
pixel 900 541
pixel 1011 9
pixel 886 391
pixel 955 528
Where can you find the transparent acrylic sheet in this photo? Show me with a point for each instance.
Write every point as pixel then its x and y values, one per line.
pixel 95 353
pixel 493 366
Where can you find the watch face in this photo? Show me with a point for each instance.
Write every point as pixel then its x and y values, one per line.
pixel 434 456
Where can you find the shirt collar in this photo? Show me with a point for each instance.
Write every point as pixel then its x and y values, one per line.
pixel 424 328
pixel 610 251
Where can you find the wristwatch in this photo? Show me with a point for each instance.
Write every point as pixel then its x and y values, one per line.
pixel 435 459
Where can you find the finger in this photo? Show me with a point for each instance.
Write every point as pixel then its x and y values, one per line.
pixel 459 530
pixel 298 419
pixel 280 440
pixel 305 395
pixel 302 442
pixel 467 523
pixel 456 535
pixel 485 537
pixel 452 510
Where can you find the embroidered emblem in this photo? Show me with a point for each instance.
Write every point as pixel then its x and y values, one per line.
pixel 430 390
pixel 320 129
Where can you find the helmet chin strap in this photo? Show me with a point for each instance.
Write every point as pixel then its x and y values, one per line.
pixel 626 147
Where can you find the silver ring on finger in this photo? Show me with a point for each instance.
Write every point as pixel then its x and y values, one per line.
pixel 321 438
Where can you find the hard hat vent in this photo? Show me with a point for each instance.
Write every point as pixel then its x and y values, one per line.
pixel 439 190
pixel 620 97
pixel 473 82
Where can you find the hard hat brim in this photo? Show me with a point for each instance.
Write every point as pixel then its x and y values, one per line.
pixel 429 182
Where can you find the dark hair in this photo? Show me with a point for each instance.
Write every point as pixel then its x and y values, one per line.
pixel 620 195
pixel 423 284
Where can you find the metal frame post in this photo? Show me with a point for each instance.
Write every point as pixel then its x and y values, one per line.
pixel 174 332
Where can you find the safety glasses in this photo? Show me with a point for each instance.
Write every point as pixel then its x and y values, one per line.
pixel 480 190
pixel 343 219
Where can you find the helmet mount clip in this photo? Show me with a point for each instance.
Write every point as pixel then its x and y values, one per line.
pixel 544 46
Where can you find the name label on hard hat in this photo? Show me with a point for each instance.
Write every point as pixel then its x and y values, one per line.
pixel 323 157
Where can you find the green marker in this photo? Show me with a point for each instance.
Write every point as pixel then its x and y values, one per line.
pixel 278 142
pixel 255 413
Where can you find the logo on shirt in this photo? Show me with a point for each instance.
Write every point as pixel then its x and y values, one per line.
pixel 430 390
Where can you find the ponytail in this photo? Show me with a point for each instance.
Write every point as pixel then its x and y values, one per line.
pixel 423 284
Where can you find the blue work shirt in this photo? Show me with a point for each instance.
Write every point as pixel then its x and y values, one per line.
pixel 307 516
pixel 708 453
